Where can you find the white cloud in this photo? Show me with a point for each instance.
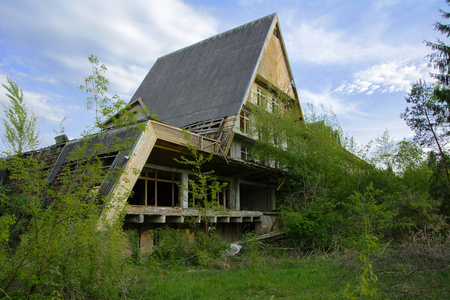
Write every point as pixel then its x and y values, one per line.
pixel 317 41
pixel 328 100
pixel 44 107
pixel 125 79
pixel 395 76
pixel 124 28
pixel 127 34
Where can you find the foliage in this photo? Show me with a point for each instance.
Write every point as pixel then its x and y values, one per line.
pixel 322 178
pixel 328 188
pixel 204 187
pixel 427 117
pixel 313 226
pixel 440 60
pixel 175 246
pixel 54 247
pixel 19 126
pixel 114 109
pixel 364 285
pixel 95 85
pixel 441 57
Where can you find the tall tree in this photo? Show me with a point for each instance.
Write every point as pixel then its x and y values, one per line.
pixel 427 117
pixel 440 59
pixel 19 126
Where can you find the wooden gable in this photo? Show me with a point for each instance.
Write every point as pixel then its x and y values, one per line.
pixel 274 64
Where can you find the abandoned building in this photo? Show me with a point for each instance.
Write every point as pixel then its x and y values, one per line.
pixel 208 89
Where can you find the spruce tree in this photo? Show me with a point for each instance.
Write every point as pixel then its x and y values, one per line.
pixel 440 59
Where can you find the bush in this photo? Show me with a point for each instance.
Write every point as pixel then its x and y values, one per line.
pixel 176 247
pixel 313 227
pixel 173 245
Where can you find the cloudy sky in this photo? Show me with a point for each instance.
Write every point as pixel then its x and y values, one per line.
pixel 357 57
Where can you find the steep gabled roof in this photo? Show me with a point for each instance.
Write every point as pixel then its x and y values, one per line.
pixel 207 80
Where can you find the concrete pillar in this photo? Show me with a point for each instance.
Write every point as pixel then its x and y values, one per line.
pixel 273 199
pixel 232 203
pixel 184 193
pixel 237 195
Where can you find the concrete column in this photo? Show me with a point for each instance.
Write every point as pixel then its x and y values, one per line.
pixel 184 193
pixel 237 204
pixel 273 198
pixel 232 203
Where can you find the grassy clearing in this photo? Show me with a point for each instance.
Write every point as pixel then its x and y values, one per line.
pixel 292 276
pixel 280 278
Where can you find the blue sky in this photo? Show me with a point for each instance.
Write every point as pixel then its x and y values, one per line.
pixel 357 57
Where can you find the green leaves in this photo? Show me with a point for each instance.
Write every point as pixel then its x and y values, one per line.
pixel 59 249
pixel 203 186
pixel 19 126
pixel 96 86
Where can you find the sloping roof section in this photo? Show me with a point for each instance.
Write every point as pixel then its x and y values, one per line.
pixel 207 80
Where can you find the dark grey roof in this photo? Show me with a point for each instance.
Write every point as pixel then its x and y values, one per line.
pixel 207 80
pixel 116 146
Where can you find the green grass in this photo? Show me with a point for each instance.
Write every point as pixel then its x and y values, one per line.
pixel 277 278
pixel 289 276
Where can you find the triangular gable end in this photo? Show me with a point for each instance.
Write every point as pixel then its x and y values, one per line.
pixel 273 65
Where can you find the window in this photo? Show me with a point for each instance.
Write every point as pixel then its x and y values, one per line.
pixel 245 153
pixel 260 96
pixel 222 198
pixel 274 105
pixel 245 121
pixel 156 188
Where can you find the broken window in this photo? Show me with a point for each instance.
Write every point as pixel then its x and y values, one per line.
pixel 221 198
pixel 156 188
pixel 245 153
pixel 274 105
pixel 260 96
pixel 245 121
pixel 254 197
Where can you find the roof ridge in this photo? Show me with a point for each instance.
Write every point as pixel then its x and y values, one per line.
pixel 218 35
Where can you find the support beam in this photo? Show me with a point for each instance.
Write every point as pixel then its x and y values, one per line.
pixel 257 219
pixel 236 219
pixel 155 219
pixel 223 219
pixel 135 218
pixel 211 219
pixel 174 219
pixel 138 157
